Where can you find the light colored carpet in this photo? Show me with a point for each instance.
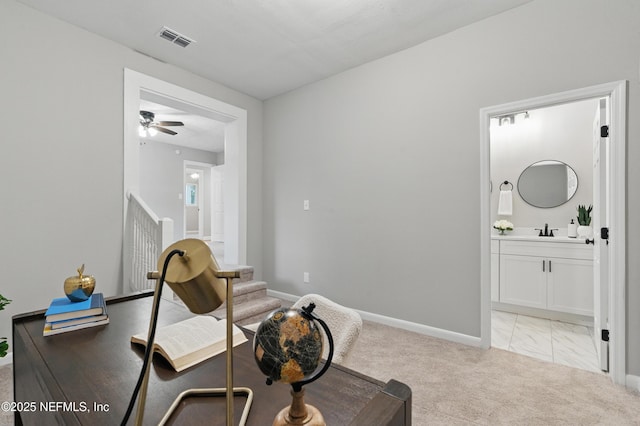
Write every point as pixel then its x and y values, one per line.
pixel 454 384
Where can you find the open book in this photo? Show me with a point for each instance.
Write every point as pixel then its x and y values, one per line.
pixel 191 341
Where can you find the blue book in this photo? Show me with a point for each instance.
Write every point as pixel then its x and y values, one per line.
pixel 62 308
pixel 49 331
pixel 77 321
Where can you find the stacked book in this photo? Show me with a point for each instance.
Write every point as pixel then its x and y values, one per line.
pixel 64 315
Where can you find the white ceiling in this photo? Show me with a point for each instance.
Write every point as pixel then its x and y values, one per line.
pixel 268 47
pixel 198 132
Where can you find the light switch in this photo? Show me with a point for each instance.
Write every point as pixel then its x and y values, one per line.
pixel 306 204
pixel 306 277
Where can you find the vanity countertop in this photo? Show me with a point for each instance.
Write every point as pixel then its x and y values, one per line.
pixel 555 239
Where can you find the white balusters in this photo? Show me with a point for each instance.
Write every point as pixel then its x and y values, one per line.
pixel 148 236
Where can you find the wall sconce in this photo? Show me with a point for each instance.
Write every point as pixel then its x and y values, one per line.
pixel 508 119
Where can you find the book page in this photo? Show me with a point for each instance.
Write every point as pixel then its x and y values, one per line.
pixel 191 335
pixel 203 336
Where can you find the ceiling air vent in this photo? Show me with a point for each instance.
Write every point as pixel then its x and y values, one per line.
pixel 175 37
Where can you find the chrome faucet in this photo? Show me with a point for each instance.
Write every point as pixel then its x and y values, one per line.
pixel 547 232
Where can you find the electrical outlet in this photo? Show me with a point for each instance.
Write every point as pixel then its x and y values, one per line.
pixel 306 277
pixel 306 204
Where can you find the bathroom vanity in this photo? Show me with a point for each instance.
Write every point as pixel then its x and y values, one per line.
pixel 548 274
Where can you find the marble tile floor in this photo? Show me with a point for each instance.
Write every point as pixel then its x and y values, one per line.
pixel 548 340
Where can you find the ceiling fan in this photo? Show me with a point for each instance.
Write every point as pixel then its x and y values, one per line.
pixel 148 127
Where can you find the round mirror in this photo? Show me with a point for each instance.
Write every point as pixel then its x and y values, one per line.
pixel 547 184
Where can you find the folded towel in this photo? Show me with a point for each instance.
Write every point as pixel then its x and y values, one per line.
pixel 505 203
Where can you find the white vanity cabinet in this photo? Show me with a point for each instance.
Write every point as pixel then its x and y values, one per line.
pixel 523 281
pixel 495 270
pixel 556 276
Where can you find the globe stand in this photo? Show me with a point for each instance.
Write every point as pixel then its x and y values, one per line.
pixel 299 413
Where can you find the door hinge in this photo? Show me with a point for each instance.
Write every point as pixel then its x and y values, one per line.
pixel 605 335
pixel 604 233
pixel 604 131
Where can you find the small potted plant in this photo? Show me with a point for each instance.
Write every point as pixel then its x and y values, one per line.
pixel 502 226
pixel 584 220
pixel 4 346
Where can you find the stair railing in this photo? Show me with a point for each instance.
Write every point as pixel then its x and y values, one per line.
pixel 147 236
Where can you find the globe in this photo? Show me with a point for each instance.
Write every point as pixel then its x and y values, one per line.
pixel 287 346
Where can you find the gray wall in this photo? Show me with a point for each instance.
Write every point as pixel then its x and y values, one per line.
pixel 388 155
pixel 161 180
pixel 561 132
pixel 62 114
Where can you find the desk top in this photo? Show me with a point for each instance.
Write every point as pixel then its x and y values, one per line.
pixel 97 368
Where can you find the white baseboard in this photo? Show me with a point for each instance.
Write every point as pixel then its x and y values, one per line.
pixel 7 359
pixel 439 333
pixel 633 382
pixel 283 296
pixel 544 313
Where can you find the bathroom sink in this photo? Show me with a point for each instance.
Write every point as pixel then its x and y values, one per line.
pixel 535 237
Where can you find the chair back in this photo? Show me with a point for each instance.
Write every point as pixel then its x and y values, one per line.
pixel 345 324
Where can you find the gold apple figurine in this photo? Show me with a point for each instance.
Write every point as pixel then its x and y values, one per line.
pixel 79 288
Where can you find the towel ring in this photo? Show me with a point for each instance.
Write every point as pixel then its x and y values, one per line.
pixel 506 182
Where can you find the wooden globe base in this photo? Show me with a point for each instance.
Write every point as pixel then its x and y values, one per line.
pixel 299 413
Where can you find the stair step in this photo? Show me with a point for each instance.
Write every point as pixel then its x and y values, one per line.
pixel 246 272
pixel 245 291
pixel 248 287
pixel 250 311
pixel 242 293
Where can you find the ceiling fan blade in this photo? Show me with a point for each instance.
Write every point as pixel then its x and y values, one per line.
pixel 169 123
pixel 163 130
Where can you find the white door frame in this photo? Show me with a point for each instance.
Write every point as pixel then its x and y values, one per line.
pixel 617 91
pixel 195 166
pixel 215 236
pixel 235 119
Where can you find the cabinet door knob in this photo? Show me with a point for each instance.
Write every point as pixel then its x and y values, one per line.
pixel 589 241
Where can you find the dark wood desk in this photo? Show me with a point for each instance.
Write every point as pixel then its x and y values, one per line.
pixel 87 376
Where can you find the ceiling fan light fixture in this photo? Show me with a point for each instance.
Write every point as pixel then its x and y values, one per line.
pixel 151 127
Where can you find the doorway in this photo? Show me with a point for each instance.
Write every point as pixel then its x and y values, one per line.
pixel 616 92
pixel 197 200
pixel 546 156
pixel 235 183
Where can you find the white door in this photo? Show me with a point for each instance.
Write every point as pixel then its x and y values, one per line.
pixel 193 214
pixel 217 227
pixel 601 254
